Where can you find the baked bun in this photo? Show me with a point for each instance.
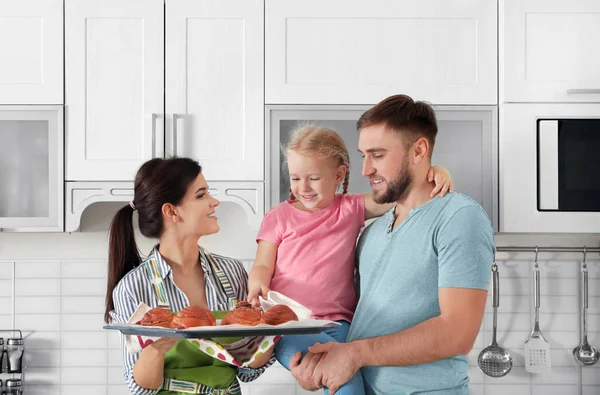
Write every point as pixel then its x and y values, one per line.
pixel 193 316
pixel 157 317
pixel 278 314
pixel 242 315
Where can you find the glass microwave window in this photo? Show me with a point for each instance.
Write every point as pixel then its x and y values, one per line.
pixel 24 169
pixel 579 165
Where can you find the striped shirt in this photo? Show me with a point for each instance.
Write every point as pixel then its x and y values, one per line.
pixel 135 288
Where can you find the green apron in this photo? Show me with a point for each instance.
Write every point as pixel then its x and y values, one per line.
pixel 187 369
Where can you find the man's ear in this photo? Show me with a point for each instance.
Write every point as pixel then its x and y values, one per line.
pixel 169 212
pixel 421 150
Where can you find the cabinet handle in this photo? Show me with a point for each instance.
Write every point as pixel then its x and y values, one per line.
pixel 157 143
pixel 583 91
pixel 176 129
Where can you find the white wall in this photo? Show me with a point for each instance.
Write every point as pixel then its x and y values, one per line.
pixel 59 287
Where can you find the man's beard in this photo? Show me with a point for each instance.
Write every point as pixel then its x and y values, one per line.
pixel 398 188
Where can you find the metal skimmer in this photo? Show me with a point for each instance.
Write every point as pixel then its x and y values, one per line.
pixel 494 360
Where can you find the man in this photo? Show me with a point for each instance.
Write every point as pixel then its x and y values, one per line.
pixel 424 270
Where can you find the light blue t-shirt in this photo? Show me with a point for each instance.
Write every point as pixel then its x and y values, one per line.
pixel 446 242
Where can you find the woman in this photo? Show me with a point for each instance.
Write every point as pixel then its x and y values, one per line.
pixel 173 204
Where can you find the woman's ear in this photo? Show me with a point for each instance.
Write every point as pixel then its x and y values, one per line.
pixel 169 212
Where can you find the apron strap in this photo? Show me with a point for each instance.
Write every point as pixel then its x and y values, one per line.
pixel 189 387
pixel 222 277
pixel 155 276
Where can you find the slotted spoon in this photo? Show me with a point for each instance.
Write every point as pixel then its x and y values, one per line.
pixel 494 360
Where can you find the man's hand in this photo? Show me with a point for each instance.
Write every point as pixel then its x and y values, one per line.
pixel 338 365
pixel 305 372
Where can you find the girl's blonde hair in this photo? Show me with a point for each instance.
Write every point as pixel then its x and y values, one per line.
pixel 322 142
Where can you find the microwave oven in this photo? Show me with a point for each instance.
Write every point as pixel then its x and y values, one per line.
pixel 550 168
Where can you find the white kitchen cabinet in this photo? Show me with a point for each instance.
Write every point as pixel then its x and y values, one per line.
pixel 549 50
pixel 119 75
pixel 353 52
pixel 114 87
pixel 215 86
pixel 158 78
pixel 31 168
pixel 31 56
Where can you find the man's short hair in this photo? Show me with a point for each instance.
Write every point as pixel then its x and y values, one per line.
pixel 403 115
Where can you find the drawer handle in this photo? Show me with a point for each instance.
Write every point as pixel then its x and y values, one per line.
pixel 582 91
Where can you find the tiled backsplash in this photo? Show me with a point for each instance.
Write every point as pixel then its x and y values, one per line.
pixel 59 306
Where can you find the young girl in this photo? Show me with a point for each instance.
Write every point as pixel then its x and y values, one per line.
pixel 173 205
pixel 306 245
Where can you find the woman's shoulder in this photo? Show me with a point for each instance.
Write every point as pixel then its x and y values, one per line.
pixel 133 281
pixel 227 261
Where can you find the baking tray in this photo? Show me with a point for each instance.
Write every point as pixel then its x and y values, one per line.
pixel 217 331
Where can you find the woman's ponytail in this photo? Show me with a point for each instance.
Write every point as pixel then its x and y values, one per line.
pixel 123 254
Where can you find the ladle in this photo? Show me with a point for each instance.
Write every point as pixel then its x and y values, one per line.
pixel 585 354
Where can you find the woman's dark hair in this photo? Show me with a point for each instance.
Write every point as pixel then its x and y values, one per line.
pixel 157 182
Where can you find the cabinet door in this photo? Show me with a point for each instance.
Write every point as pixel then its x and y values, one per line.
pixel 466 144
pixel 348 52
pixel 31 59
pixel 551 50
pixel 215 108
pixel 114 87
pixel 31 168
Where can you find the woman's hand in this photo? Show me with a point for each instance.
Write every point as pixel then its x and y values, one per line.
pixel 263 359
pixel 163 345
pixel 443 181
pixel 148 371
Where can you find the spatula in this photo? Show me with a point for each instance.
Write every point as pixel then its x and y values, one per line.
pixel 537 349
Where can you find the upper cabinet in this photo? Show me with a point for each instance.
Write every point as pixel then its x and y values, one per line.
pixel 550 50
pixel 143 84
pixel 352 52
pixel 114 87
pixel 31 168
pixel 215 86
pixel 31 59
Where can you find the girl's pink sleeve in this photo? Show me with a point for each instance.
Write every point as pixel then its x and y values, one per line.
pixel 355 205
pixel 269 228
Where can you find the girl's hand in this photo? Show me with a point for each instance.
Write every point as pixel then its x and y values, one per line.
pixel 255 291
pixel 443 182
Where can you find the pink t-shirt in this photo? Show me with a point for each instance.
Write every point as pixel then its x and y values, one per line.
pixel 315 254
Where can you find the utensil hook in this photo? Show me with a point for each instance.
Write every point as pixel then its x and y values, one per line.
pixel 537 250
pixel 584 264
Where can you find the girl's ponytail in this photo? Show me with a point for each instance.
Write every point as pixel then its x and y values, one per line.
pixel 346 179
pixel 123 254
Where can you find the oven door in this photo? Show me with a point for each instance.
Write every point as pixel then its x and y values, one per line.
pixel 550 168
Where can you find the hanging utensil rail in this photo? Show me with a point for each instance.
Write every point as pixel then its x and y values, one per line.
pixel 582 249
